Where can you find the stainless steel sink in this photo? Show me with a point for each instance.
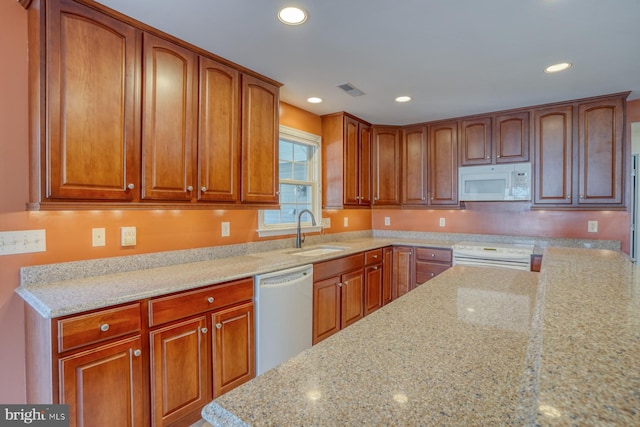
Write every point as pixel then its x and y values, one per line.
pixel 317 251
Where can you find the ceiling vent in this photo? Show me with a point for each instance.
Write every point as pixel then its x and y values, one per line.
pixel 351 89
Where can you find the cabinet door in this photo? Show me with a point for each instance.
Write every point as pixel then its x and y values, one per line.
pixel 511 137
pixel 426 271
pixel 414 166
pixel 180 370
pixel 364 165
pixel 553 148
pixel 373 281
pixel 600 137
pixel 326 308
pixel 234 348
pixel 387 281
pixel 93 69
pixel 386 166
pixel 168 120
pixel 260 139
pixel 443 164
pixel 351 161
pixel 105 386
pixel 475 142
pixel 218 132
pixel 403 270
pixel 352 295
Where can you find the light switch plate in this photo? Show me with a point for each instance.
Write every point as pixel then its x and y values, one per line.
pixel 127 236
pixel 442 222
pixel 22 242
pixel 387 220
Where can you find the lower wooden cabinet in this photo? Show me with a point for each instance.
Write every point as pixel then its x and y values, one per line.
pixel 373 281
pixel 430 262
pixel 387 278
pixel 104 386
pixel 404 270
pixel 413 266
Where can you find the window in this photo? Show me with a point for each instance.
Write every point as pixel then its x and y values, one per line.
pixel 299 181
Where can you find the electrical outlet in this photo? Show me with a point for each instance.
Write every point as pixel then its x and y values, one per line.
pixel 127 236
pixel 98 237
pixel 592 227
pixel 387 220
pixel 226 229
pixel 346 221
pixel 442 222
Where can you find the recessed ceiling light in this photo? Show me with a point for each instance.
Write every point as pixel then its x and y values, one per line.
pixel 403 99
pixel 314 100
pixel 292 15
pixel 557 67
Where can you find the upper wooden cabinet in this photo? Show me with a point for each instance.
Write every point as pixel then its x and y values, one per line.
pixel 346 166
pixel 218 132
pixel 386 166
pixel 168 120
pixel 123 115
pixel 499 138
pixel 260 140
pixel 415 170
pixel 443 163
pixel 84 113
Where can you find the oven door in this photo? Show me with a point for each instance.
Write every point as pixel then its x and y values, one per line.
pixel 484 186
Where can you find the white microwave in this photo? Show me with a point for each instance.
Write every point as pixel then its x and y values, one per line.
pixel 495 182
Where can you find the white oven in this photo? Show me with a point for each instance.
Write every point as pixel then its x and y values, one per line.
pixel 515 257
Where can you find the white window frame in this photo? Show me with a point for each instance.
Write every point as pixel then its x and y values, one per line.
pixel 306 138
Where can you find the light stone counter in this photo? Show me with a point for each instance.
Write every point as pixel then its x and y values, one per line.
pixel 473 346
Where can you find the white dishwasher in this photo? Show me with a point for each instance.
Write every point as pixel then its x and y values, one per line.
pixel 284 309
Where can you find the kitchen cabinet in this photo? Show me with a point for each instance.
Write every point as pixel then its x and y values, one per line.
pixel 579 154
pixel 373 280
pixel 536 262
pixel 387 278
pixel 218 132
pixel 415 168
pixel 430 262
pixel 476 143
pixel 168 120
pixel 260 141
pixel 443 164
pixel 88 73
pixel 346 166
pixel 123 115
pixel 404 270
pixel 386 166
pixel 511 137
pixel 338 295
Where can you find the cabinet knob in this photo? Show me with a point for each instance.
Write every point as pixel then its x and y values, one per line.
pixel 339 285
pixel 277 193
pixel 375 267
pixel 433 255
pixel 210 300
pixel 488 157
pixel 432 274
pixel 130 186
pixel 137 352
pixel 190 188
pixel 432 198
pixel 498 156
pixel 375 257
pixel 375 198
pixel 219 325
pixel 568 197
pixel 582 196
pixel 424 198
pixel 203 188
pixel 104 327
pixel 204 330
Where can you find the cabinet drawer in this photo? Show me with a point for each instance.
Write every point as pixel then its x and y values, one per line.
pixel 428 270
pixel 373 257
pixel 334 267
pixel 102 325
pixel 433 254
pixel 178 306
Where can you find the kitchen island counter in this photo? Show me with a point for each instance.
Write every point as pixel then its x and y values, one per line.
pixel 474 346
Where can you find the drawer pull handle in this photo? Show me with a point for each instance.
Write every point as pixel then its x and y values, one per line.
pixel 204 330
pixel 219 325
pixel 137 352
pixel 210 300
pixel 104 327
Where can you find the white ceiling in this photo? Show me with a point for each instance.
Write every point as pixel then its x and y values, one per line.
pixel 453 57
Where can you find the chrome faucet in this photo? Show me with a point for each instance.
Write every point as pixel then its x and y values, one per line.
pixel 299 239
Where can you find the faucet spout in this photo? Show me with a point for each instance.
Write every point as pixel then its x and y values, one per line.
pixel 300 239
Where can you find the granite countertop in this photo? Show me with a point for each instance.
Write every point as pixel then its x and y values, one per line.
pixel 473 346
pixel 69 295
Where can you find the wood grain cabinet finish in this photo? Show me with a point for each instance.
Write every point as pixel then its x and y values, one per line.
pixel 373 280
pixel 386 169
pixel 168 120
pixel 404 270
pixel 218 132
pixel 105 386
pixel 553 148
pixel 260 142
pixel 338 295
pixel 430 262
pixel 387 279
pixel 443 164
pixel 346 166
pixel 476 142
pixel 511 137
pixel 180 370
pixel 415 169
pixel 88 119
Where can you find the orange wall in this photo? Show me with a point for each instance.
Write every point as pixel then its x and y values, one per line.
pixel 69 232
